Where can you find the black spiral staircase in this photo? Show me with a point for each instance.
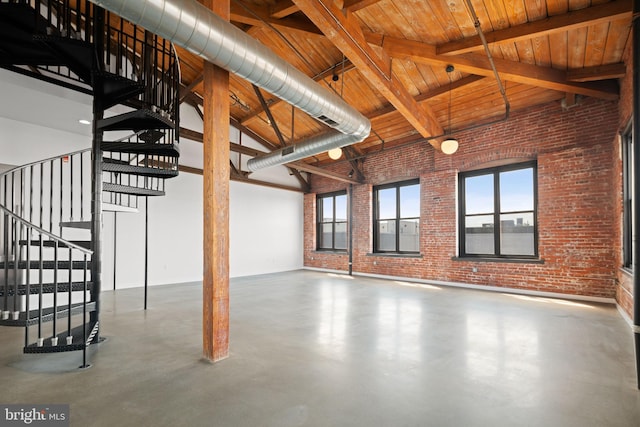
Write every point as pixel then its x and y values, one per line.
pixel 51 210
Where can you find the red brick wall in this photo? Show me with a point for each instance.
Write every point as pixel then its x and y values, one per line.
pixel 576 210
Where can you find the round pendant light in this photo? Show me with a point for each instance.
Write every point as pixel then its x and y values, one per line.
pixel 335 153
pixel 449 146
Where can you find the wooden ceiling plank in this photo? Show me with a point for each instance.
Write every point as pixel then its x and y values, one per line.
pixel 548 78
pixel 342 29
pixel 617 9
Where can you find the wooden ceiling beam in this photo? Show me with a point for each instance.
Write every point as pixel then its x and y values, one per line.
pixel 276 129
pixel 548 78
pixel 601 72
pixel 298 165
pixel 606 12
pixel 260 16
pixel 186 90
pixel 459 84
pixel 344 32
pixel 304 167
pixel 242 178
pixel 285 8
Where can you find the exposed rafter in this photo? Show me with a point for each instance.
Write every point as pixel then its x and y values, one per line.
pixel 344 32
pixel 287 7
pixel 618 9
pixel 602 72
pixel 242 178
pixel 276 129
pixel 260 16
pixel 519 72
pixel 301 166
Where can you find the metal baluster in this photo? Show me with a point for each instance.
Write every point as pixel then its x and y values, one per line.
pixel 61 193
pixel 5 305
pixel 40 278
pixel 84 314
pixel 71 186
pixel 27 294
pixel 81 189
pixel 41 192
pixel 16 261
pixel 55 294
pixel 69 336
pixel 50 229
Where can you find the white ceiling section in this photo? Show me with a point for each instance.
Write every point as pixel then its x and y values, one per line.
pixel 40 103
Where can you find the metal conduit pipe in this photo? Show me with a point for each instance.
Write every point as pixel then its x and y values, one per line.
pixel 483 39
pixel 194 27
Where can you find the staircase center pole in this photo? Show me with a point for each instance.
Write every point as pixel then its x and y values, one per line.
pixel 215 280
pixel 96 169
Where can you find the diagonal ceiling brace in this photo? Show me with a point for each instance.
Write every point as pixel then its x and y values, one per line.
pixel 305 184
pixel 343 30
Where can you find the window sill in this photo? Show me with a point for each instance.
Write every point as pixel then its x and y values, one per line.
pixel 394 255
pixel 330 251
pixel 626 270
pixel 506 260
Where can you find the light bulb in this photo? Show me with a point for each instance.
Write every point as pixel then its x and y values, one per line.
pixel 449 146
pixel 335 153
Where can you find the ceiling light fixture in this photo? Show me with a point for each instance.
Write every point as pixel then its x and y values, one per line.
pixel 335 153
pixel 449 145
pixel 84 122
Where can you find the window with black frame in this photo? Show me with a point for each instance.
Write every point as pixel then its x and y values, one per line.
pixel 397 217
pixel 332 221
pixel 627 184
pixel 498 212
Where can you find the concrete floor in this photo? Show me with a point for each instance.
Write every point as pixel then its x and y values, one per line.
pixel 317 349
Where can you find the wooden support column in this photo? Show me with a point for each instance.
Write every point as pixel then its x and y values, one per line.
pixel 215 280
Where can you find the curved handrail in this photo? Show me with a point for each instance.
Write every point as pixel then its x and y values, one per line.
pixel 37 162
pixel 35 193
pixel 45 232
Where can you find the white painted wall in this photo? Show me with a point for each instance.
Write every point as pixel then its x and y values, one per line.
pixel 266 224
pixel 266 229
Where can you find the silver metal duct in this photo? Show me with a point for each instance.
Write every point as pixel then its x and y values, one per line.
pixel 191 25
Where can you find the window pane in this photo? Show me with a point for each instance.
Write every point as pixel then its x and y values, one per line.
pixel 327 209
pixel 341 208
pixel 327 236
pixel 409 235
pixel 410 201
pixel 387 203
pixel 516 190
pixel 516 234
pixel 479 194
pixel 479 235
pixel 341 235
pixel 387 235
